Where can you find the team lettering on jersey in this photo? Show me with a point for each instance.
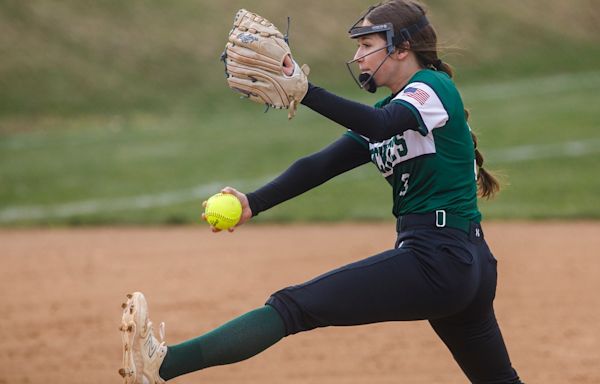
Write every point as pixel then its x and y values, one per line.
pixel 388 153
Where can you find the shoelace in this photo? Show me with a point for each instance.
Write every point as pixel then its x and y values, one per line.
pixel 161 330
pixel 161 333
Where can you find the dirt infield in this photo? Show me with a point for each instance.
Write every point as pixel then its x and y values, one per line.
pixel 61 292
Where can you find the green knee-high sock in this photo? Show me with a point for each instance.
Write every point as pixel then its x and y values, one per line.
pixel 237 340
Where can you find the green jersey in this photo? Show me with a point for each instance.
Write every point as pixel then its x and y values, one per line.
pixel 432 168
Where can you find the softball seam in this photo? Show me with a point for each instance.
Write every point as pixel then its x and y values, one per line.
pixel 219 216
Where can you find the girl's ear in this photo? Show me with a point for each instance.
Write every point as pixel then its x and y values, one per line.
pixel 402 50
pixel 400 54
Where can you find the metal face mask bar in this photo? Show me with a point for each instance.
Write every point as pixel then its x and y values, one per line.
pixel 388 28
pixel 364 80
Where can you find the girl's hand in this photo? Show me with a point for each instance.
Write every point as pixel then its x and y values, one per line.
pixel 246 211
pixel 288 65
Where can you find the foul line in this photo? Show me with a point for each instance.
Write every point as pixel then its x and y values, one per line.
pixel 119 204
pixel 553 84
pixel 37 212
pixel 544 151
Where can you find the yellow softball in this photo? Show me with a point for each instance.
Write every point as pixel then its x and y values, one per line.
pixel 223 210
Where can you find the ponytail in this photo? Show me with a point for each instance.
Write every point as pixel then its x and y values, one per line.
pixel 487 184
pixel 439 65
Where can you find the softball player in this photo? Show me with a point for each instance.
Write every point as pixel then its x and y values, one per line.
pixel 440 268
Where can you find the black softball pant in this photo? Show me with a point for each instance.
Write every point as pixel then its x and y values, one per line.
pixel 443 275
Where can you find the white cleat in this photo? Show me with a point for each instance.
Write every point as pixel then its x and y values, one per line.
pixel 143 354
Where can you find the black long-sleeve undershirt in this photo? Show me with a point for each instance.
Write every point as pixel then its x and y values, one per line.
pixel 377 124
pixel 309 172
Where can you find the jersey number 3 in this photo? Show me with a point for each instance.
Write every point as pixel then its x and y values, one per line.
pixel 404 178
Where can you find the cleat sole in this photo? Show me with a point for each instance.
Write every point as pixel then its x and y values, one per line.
pixel 128 335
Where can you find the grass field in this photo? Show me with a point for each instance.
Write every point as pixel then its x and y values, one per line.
pixel 117 113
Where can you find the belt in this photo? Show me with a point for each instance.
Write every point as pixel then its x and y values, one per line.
pixel 437 219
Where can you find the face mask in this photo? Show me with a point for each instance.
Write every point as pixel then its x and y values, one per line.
pixel 365 80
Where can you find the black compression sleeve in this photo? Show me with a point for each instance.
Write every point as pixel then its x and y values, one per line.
pixel 309 172
pixel 376 124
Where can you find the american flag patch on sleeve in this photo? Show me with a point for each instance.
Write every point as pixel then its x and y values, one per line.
pixel 418 94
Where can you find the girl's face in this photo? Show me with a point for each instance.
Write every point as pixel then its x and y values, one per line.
pixel 390 70
pixel 370 54
pixel 374 47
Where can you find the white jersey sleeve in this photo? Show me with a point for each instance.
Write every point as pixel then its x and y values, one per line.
pixel 422 98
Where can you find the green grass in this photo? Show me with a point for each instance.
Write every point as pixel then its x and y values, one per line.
pixel 117 112
pixel 558 186
pixel 121 158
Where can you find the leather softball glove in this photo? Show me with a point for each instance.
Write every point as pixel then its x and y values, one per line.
pixel 254 61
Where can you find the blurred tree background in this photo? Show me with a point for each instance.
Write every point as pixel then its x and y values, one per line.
pixel 79 57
